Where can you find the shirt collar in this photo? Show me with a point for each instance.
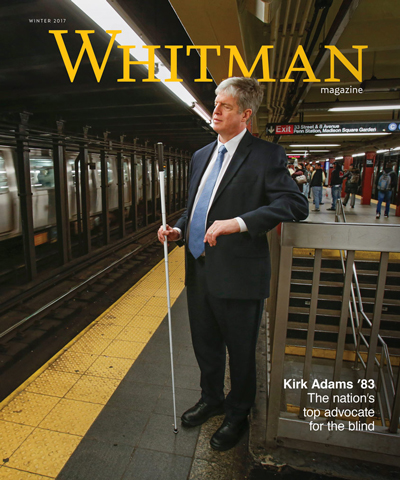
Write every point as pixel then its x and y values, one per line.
pixel 233 143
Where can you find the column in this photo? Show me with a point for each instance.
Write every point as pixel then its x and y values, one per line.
pixel 366 186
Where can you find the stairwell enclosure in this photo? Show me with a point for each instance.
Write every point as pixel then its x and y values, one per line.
pixel 347 403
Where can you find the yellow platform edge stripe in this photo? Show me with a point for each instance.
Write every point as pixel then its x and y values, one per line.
pixel 38 372
pixel 28 441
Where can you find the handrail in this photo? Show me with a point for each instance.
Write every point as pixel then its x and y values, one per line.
pixel 359 337
pixel 285 427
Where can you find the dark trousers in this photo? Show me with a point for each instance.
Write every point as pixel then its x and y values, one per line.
pixel 217 323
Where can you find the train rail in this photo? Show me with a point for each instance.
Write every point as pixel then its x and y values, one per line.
pixel 43 318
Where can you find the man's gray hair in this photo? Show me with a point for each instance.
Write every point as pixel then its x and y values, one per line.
pixel 247 91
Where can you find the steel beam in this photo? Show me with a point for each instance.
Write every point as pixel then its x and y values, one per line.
pixel 61 194
pixel 25 197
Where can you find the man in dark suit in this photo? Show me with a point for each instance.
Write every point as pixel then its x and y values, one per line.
pixel 239 189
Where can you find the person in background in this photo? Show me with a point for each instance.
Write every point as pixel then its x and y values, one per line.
pixel 306 186
pixel 299 177
pixel 393 184
pixel 336 184
pixel 384 192
pixel 317 181
pixel 351 188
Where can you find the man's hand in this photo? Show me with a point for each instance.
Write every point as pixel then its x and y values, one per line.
pixel 221 227
pixel 171 234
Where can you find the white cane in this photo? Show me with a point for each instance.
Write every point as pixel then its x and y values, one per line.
pixel 160 153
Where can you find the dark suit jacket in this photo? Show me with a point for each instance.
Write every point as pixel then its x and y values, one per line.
pixel 258 188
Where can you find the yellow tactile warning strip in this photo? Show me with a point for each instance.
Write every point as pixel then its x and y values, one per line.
pixel 44 420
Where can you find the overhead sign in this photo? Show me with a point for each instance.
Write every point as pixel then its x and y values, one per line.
pixel 338 128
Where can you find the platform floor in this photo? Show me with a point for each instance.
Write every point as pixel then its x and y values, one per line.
pixel 358 214
pixel 102 407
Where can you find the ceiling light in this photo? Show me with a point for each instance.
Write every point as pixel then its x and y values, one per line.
pixel 349 134
pixel 338 158
pixel 382 151
pixel 102 13
pixel 315 151
pixel 314 145
pixel 360 109
pixel 358 154
pixel 201 112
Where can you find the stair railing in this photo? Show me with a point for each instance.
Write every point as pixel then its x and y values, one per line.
pixel 286 428
pixel 385 375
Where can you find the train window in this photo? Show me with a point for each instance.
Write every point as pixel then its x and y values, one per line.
pixel 3 176
pixel 126 172
pixel 110 176
pixel 42 172
pixel 109 171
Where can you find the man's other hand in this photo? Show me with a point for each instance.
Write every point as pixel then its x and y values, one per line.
pixel 221 227
pixel 171 234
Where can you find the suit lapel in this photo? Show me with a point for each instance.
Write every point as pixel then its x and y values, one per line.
pixel 198 171
pixel 239 157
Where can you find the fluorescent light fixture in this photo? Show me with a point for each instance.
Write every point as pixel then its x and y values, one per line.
pixel 382 151
pixel 317 151
pixel 358 154
pixel 349 134
pixel 314 145
pixel 397 148
pixel 102 13
pixel 360 109
pixel 201 112
pixel 338 158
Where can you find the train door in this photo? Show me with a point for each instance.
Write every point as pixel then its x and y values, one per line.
pixel 139 178
pixel 6 217
pixel 127 180
pixel 42 183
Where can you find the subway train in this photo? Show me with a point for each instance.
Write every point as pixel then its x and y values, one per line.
pixel 43 190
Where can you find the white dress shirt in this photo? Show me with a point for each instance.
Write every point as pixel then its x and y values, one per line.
pixel 231 147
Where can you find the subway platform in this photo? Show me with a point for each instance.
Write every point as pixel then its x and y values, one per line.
pixel 102 407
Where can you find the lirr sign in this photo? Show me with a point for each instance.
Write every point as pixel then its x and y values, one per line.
pixel 338 128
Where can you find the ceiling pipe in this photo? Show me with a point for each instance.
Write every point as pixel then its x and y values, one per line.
pixel 286 61
pixel 282 44
pixel 274 39
pixel 300 35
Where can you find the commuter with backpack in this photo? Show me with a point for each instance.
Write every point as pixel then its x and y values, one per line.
pixel 384 192
pixel 352 183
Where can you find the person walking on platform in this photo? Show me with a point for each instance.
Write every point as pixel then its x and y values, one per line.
pixel 299 177
pixel 336 184
pixel 306 186
pixel 239 189
pixel 384 192
pixel 317 180
pixel 351 188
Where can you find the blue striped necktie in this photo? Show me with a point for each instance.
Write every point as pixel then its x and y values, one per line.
pixel 198 223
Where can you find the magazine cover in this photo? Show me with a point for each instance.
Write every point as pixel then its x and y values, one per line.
pixel 269 130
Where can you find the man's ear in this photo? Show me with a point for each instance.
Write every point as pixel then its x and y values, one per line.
pixel 247 114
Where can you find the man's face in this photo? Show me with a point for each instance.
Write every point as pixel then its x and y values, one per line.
pixel 227 120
